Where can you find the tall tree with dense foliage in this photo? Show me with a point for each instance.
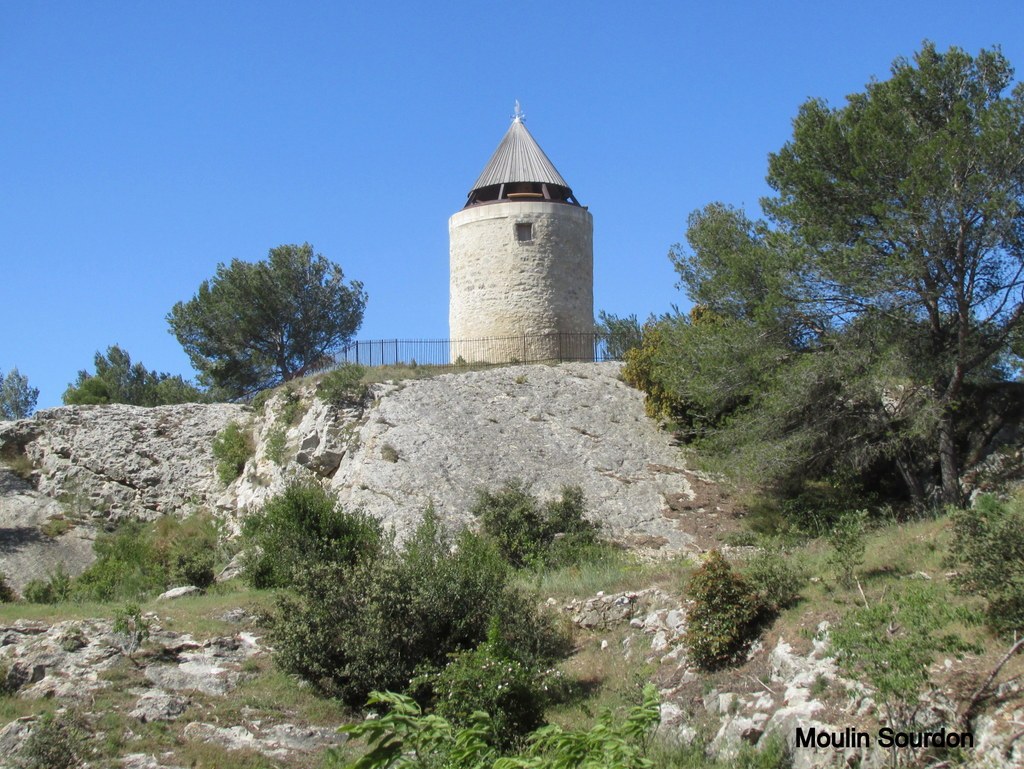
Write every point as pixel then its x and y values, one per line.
pixel 17 399
pixel 910 202
pixel 887 286
pixel 254 325
pixel 118 380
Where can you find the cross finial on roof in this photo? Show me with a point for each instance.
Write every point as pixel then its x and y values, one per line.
pixel 517 116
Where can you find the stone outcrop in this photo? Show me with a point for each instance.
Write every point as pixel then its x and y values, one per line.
pixel 66 661
pixel 418 443
pixel 437 441
pixel 30 546
pixel 77 469
pixel 408 446
pixel 280 741
pixel 117 461
pixel 779 690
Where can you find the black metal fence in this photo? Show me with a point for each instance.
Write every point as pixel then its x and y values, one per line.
pixel 526 348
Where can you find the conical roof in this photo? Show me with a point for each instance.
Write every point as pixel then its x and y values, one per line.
pixel 519 159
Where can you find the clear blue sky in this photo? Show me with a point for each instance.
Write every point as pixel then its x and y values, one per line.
pixel 142 143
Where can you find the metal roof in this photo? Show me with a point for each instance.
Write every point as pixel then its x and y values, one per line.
pixel 519 159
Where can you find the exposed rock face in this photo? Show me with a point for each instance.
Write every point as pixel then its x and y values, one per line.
pixel 89 465
pixel 788 689
pixel 118 461
pixel 26 552
pixel 279 741
pixel 408 446
pixel 437 441
pixel 66 661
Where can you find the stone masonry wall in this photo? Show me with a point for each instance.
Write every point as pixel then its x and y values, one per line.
pixel 501 287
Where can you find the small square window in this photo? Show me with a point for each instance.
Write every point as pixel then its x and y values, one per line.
pixel 524 232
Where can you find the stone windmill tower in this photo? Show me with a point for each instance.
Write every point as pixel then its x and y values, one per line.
pixel 522 261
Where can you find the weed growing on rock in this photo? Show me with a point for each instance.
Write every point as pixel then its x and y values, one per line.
pixel 259 400
pixel 57 742
pixel 55 526
pixel 131 628
pixel 19 464
pixel 276 444
pixel 293 407
pixel 343 385
pixel 232 448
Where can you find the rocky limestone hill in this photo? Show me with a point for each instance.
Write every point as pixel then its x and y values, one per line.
pixel 206 676
pixel 406 446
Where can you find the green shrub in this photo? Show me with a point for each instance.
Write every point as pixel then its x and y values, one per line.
pixel 304 524
pixel 277 445
pixel 343 385
pixel 192 567
pixel 259 400
pixel 511 693
pixel 847 540
pixel 892 642
pixel 126 566
pixel 187 549
pixel 54 589
pixel 775 579
pixel 518 631
pixel 377 623
pixel 232 447
pixel 57 742
pixel 38 591
pixel 432 741
pixel 292 409
pixel 529 534
pixel 60 583
pixel 725 617
pixel 988 548
pixel 130 628
pixel 7 594
pixel 138 560
pixel 640 370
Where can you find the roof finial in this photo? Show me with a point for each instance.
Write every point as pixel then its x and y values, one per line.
pixel 518 115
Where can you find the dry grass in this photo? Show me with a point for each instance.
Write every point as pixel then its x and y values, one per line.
pixel 616 572
pixel 19 464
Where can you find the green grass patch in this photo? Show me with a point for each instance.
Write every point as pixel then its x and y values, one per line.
pixel 613 570
pixel 55 526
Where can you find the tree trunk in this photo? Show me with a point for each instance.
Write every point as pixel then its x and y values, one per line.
pixel 912 481
pixel 949 464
